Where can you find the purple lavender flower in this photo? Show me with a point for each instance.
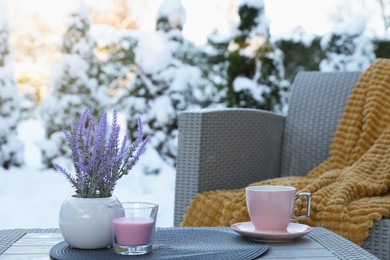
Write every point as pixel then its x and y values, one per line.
pixel 100 159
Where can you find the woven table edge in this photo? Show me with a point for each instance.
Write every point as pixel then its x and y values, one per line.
pixel 344 250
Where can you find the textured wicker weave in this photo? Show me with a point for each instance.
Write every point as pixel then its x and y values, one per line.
pixel 315 106
pixel 178 244
pixel 339 246
pixel 206 161
pixel 9 236
pixel 213 144
pixel 344 250
pixel 378 240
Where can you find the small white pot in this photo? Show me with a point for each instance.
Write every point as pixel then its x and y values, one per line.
pixel 85 222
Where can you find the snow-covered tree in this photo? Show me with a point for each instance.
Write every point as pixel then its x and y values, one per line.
pixel 213 61
pixel 171 16
pixel 346 48
pixel 11 148
pixel 115 50
pixel 165 82
pixel 255 72
pixel 75 84
pixel 385 13
pixel 302 52
pixel 186 57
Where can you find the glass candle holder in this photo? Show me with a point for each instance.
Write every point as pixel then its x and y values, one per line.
pixel 134 224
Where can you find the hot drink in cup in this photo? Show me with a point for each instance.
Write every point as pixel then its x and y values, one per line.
pixel 270 208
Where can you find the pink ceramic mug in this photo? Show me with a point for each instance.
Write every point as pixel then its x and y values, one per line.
pixel 270 208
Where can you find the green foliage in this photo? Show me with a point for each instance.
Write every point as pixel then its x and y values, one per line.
pixel 213 62
pixel 346 50
pixel 4 47
pixel 75 85
pixel 299 56
pixel 11 148
pixel 256 62
pixel 117 62
pixel 382 48
pixel 239 66
pixel 248 16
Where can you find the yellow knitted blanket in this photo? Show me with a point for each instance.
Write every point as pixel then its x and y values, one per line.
pixel 350 190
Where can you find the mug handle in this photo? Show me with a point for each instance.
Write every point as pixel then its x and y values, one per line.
pixel 302 194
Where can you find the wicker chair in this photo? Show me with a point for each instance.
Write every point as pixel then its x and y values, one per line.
pixel 231 148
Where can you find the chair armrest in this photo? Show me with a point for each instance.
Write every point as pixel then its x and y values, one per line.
pixel 225 149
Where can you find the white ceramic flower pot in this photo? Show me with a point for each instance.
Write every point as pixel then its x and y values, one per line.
pixel 85 222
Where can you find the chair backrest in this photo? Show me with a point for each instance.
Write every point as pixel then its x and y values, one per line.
pixel 316 104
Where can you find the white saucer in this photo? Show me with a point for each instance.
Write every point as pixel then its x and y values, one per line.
pixel 294 231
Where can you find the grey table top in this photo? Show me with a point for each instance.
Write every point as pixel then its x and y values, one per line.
pixel 320 243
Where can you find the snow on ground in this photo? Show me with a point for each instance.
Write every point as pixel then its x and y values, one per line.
pixel 31 197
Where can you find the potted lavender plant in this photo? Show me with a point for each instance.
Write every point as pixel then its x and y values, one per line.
pixel 100 159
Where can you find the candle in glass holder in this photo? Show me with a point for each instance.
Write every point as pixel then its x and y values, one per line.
pixel 133 231
pixel 133 227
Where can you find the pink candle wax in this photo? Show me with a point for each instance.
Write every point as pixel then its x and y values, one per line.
pixel 133 231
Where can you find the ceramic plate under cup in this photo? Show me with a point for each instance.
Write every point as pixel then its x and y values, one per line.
pixel 294 231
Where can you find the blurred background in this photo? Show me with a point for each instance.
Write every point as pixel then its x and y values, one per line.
pixel 139 55
pixel 157 58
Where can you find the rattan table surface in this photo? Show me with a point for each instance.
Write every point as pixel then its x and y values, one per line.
pixel 320 243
